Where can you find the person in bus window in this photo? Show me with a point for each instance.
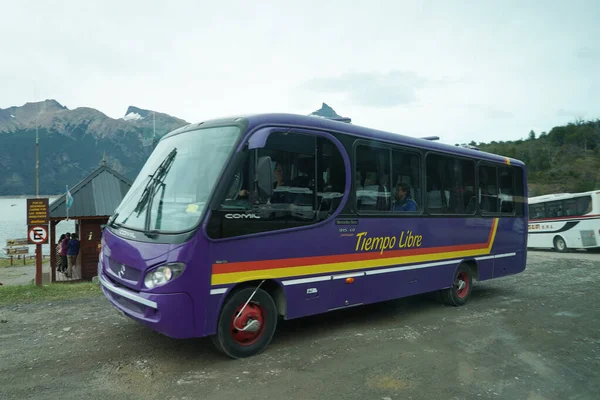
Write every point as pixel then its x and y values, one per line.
pixel 278 176
pixel 278 180
pixel 404 201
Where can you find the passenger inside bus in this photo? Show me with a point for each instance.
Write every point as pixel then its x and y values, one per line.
pixel 278 179
pixel 404 201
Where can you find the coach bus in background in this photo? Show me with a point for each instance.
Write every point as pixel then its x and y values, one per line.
pixel 234 224
pixel 565 221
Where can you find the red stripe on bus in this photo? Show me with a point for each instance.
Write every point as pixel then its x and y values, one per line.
pixel 589 216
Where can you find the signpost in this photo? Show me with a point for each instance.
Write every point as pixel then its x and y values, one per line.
pixel 13 251
pixel 37 212
pixel 16 247
pixel 16 242
pixel 37 231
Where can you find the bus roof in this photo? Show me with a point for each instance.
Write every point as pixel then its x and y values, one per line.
pixel 320 123
pixel 560 196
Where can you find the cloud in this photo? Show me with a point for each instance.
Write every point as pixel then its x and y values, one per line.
pixel 491 112
pixel 569 113
pixel 588 53
pixel 380 90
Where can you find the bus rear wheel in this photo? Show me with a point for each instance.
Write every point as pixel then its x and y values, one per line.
pixel 559 244
pixel 245 330
pixel 458 294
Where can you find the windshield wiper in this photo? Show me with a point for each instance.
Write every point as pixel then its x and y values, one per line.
pixel 158 180
pixel 112 223
pixel 158 174
pixel 144 200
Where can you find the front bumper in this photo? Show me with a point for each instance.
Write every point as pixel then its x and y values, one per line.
pixel 170 314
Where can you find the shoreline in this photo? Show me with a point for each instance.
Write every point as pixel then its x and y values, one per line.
pixel 29 196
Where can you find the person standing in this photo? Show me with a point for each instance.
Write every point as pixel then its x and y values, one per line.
pixel 63 252
pixel 72 253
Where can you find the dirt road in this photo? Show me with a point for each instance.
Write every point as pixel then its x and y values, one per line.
pixel 532 336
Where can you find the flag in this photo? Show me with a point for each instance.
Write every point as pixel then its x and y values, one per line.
pixel 69 199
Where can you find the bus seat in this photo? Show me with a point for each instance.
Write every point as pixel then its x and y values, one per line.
pixel 471 206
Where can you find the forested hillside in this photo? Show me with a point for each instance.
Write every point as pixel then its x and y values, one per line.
pixel 566 159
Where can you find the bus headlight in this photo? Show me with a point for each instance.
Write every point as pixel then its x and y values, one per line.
pixel 163 275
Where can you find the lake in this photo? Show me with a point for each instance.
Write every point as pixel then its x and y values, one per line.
pixel 13 222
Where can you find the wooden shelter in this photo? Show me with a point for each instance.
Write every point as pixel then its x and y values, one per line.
pixel 95 199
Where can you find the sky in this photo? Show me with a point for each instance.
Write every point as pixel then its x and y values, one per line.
pixel 460 70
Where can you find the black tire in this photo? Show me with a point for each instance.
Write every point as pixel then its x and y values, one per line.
pixel 235 343
pixel 455 295
pixel 559 244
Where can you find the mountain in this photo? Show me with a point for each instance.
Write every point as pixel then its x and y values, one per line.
pixel 72 144
pixel 327 112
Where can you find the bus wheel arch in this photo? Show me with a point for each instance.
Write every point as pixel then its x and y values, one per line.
pixel 560 244
pixel 272 287
pixel 248 318
pixel 474 269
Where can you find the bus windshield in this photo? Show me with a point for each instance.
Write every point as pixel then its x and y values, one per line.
pixel 170 192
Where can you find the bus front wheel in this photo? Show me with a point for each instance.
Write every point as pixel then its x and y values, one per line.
pixel 459 292
pixel 246 328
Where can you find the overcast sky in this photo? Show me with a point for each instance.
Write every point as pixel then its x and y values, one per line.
pixel 461 70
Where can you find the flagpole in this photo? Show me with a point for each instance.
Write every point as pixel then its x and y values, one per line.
pixel 37 146
pixel 67 201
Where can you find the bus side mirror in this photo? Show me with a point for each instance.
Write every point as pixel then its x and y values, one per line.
pixel 264 173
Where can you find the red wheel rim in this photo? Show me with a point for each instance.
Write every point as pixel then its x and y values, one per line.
pixel 464 277
pixel 252 311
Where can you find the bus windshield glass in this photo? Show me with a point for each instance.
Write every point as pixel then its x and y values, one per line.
pixel 172 189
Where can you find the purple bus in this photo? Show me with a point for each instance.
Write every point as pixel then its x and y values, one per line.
pixel 236 223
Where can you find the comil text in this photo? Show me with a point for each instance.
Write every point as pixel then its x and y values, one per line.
pixel 406 239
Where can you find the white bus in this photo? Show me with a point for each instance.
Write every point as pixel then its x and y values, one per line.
pixel 565 221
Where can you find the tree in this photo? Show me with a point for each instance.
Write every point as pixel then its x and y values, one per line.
pixel 531 135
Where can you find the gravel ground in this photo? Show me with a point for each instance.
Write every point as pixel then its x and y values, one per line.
pixel 531 336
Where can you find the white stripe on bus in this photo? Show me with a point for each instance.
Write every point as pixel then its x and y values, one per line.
pixel 306 280
pixel 350 275
pixel 313 279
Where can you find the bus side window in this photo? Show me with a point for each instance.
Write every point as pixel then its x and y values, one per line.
pixel 450 185
pixel 506 190
pixel 406 170
pixel 487 187
pixel 537 211
pixel 584 205
pixel 373 168
pixel 309 180
pixel 331 176
pixel 570 207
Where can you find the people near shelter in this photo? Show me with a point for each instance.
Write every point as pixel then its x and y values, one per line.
pixel 62 252
pixel 72 253
pixel 59 265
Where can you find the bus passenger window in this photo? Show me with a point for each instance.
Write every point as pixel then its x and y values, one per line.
pixel 555 209
pixel 308 181
pixel 373 188
pixel 570 207
pixel 488 196
pixel 506 189
pixel 450 185
pixel 406 181
pixel 537 211
pixel 331 178
pixel 584 205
